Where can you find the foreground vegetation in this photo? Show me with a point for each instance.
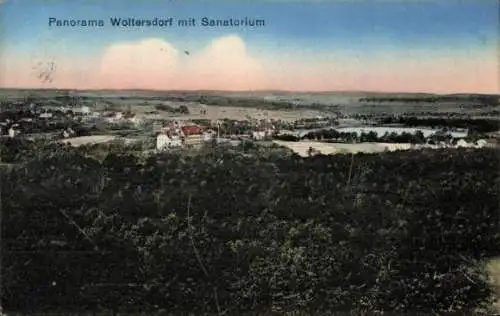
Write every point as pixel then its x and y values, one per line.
pixel 226 233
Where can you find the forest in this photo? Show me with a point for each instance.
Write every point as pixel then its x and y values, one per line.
pixel 335 136
pixel 479 99
pixel 332 134
pixel 245 232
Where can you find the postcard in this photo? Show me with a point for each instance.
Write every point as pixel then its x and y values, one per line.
pixel 249 157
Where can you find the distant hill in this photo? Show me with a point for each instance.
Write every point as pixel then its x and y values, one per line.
pixel 213 96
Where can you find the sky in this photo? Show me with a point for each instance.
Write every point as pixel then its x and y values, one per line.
pixel 435 46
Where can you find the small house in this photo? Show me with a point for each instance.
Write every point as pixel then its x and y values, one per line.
pixel 258 135
pixel 162 142
pixel 69 132
pixel 481 143
pixel 208 135
pixel 45 115
pixel 14 130
pixel 462 143
pixel 165 141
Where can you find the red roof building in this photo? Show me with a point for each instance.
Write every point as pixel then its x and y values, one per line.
pixel 189 130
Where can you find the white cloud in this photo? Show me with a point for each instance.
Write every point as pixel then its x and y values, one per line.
pixel 223 63
pixel 157 64
pixel 138 64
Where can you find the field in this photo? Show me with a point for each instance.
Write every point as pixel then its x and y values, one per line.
pixel 78 141
pixel 302 147
pixel 229 112
pixel 278 105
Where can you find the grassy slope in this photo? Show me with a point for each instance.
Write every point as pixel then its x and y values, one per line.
pixel 494 271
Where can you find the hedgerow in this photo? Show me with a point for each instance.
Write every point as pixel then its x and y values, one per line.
pixel 230 233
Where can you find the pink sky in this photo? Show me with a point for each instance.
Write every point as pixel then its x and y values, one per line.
pixel 226 64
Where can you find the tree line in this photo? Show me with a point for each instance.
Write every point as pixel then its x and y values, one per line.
pixel 481 99
pixel 478 125
pixel 332 135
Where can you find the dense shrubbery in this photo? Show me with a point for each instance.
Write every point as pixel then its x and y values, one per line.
pixel 413 138
pixel 479 99
pixel 181 109
pixel 232 233
pixel 332 134
pixel 287 138
pixel 255 103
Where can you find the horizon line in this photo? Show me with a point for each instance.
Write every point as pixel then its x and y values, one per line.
pixel 252 91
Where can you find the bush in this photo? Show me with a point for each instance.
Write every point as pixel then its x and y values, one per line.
pixel 401 232
pixel 286 138
pixel 167 108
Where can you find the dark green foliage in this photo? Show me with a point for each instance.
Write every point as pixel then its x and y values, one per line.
pixel 181 109
pixel 287 138
pixel 334 135
pixel 402 232
pixel 481 100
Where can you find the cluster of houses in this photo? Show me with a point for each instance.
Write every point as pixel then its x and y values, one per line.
pixel 12 131
pixel 22 119
pixel 31 119
pixel 67 123
pixel 179 134
pixel 480 143
pixel 183 134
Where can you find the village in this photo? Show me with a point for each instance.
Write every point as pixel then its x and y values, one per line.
pixel 81 125
pixel 328 134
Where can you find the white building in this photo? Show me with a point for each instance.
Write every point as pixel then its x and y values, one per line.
pixel 117 117
pixel 481 143
pixel 462 143
pixel 14 131
pixel 208 136
pixel 136 121
pixel 45 115
pixel 258 135
pixel 85 110
pixel 163 142
pixel 69 133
